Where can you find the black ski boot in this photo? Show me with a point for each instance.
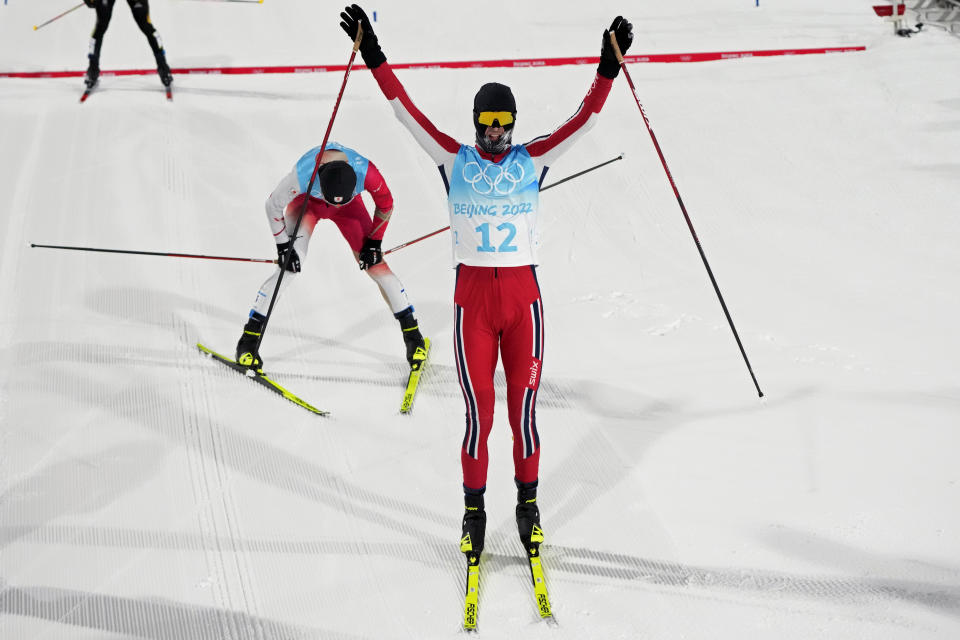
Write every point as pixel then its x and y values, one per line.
pixel 163 70
pixel 93 73
pixel 474 524
pixel 412 338
pixel 247 345
pixel 528 516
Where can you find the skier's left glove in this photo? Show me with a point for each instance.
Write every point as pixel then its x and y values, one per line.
pixel 609 66
pixel 370 254
pixel 370 50
pixel 92 4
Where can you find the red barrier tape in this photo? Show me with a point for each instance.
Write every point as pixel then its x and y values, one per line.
pixel 467 64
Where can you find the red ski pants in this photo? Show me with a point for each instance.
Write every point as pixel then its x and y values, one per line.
pixel 352 219
pixel 498 310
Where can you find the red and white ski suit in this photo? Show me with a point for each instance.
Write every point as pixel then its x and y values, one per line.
pixel 354 222
pixel 497 297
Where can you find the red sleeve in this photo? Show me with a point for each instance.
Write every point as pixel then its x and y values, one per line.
pixel 376 186
pixel 548 147
pixel 439 145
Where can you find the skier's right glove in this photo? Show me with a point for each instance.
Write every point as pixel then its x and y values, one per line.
pixel 370 50
pixel 90 3
pixel 370 253
pixel 609 66
pixel 284 249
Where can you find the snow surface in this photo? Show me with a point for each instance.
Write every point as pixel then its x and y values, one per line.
pixel 149 493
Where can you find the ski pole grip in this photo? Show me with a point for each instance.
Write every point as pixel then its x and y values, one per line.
pixel 616 47
pixel 356 41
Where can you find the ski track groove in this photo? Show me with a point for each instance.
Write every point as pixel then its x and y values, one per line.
pixel 240 556
pixel 237 542
pixel 206 464
pixel 233 557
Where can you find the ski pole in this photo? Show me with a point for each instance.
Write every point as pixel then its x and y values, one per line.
pixel 313 176
pixel 549 186
pixel 152 253
pixel 38 26
pixel 683 209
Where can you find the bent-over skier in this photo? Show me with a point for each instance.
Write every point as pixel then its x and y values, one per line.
pixel 335 195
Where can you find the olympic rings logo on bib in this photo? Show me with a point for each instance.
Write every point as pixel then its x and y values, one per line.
pixel 493 178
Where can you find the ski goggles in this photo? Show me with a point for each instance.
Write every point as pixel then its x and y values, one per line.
pixel 487 118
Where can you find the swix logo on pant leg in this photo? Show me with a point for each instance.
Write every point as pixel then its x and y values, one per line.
pixel 534 380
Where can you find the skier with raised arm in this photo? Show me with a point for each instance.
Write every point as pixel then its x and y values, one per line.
pixel 493 198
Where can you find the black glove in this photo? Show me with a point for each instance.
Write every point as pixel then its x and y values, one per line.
pixel 609 65
pixel 370 254
pixel 369 47
pixel 90 3
pixel 283 250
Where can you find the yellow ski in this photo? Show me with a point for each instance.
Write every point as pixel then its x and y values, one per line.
pixel 540 585
pixel 413 380
pixel 260 377
pixel 471 601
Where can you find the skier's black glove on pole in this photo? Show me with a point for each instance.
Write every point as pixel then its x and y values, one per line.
pixel 609 65
pixel 370 50
pixel 370 254
pixel 285 248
